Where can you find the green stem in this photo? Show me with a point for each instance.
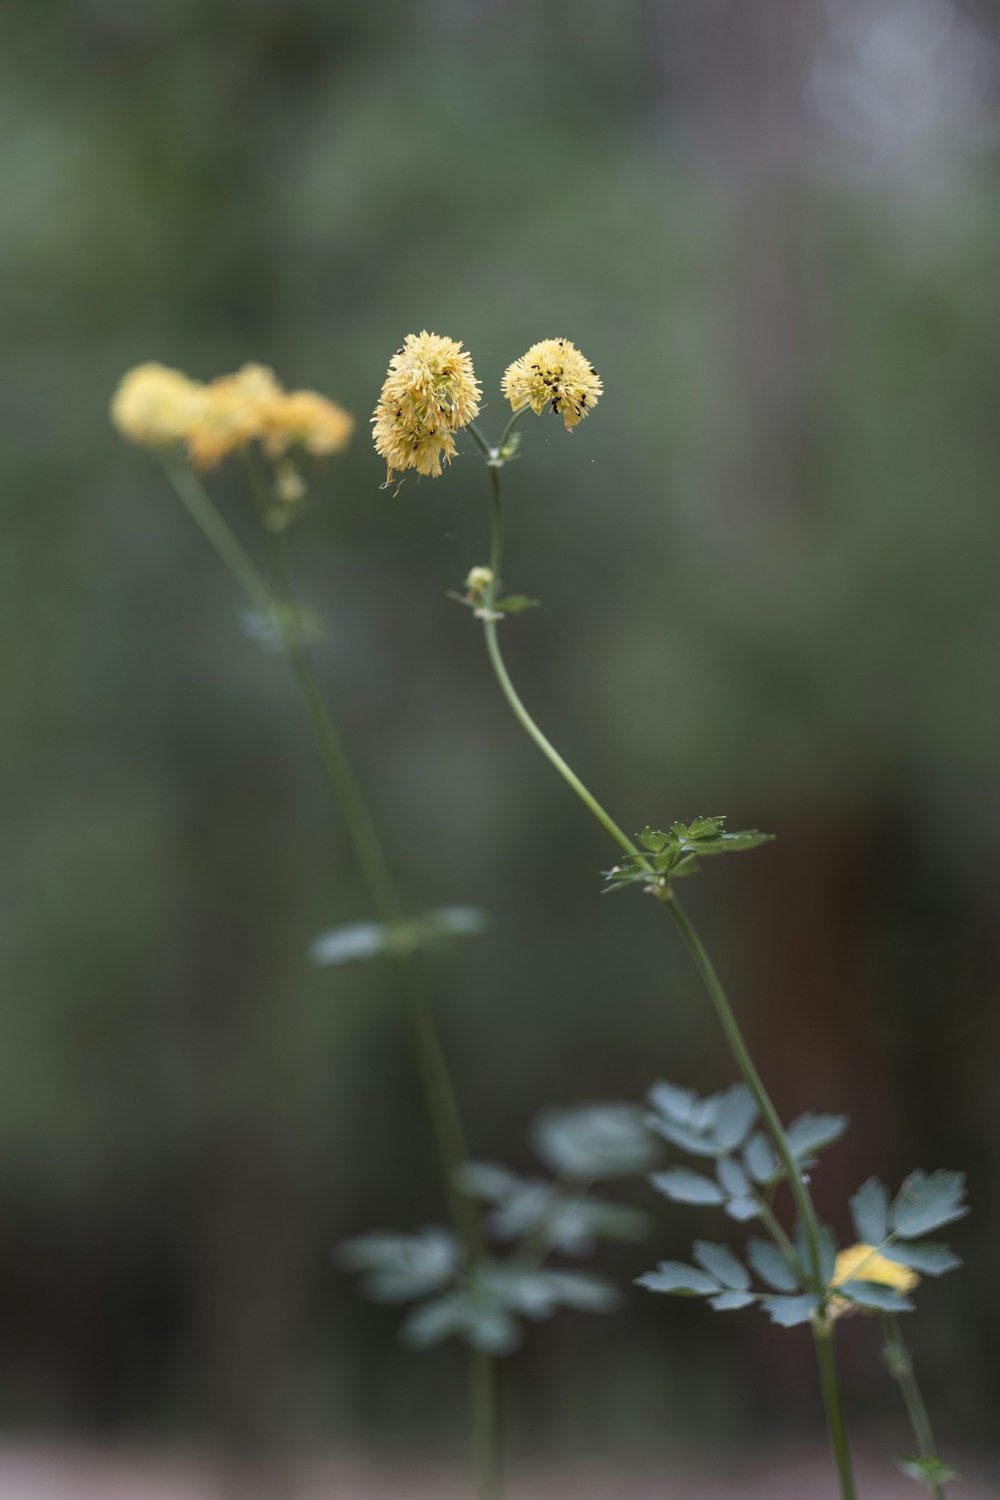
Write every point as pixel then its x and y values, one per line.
pixel 724 1011
pixel 219 534
pixel 900 1366
pixel 487 1427
pixel 829 1379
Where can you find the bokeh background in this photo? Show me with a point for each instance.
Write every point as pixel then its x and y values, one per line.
pixel 768 566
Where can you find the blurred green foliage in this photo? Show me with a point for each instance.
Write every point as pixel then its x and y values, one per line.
pixel 768 566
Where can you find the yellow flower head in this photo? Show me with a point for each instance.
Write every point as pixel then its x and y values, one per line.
pixel 154 406
pixel 429 393
pixel 232 410
pixel 305 419
pixel 863 1263
pixel 553 373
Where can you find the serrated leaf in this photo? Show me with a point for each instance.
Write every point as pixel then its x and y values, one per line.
pixel 652 839
pixel 928 1258
pixel 926 1202
pixel 676 1103
pixel 589 1143
pixel 731 1301
pixel 681 1135
pixel 873 1294
pixel 811 1132
pixel 870 1212
pixel 760 1160
pixel 680 1280
pixel 771 1266
pixel 720 1262
pixel 743 1209
pixel 787 1312
pixel 683 1186
pixel 929 1471
pixel 737 1112
pixel 732 1178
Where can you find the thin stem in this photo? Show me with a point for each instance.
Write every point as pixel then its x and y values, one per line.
pixel 900 1366
pixel 210 523
pixel 487 1426
pixel 822 1327
pixel 833 1405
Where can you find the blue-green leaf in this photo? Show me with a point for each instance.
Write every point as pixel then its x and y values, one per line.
pixel 737 1112
pixel 681 1135
pixel 676 1103
pixel 591 1142
pixel 771 1265
pixel 683 1281
pixel 720 1262
pixel 929 1471
pixel 789 1311
pixel 870 1212
pixel 927 1202
pixel 733 1178
pixel 760 1160
pixel 743 1209
pixel 873 1294
pixel 926 1257
pixel 683 1186
pixel 811 1132
pixel 430 1322
pixel 731 1301
pixel 402 1266
pixel 348 943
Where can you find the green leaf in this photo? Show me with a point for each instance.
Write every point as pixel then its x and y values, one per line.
pixel 720 1262
pixel 927 1202
pixel 873 1294
pixel 592 1142
pixel 653 840
pixel 760 1160
pixel 811 1132
pixel 928 1258
pixel 737 1112
pixel 486 1180
pixel 870 1212
pixel 731 1301
pixel 827 1249
pixel 743 1209
pixel 359 940
pixel 585 1292
pixel 513 604
pixel 676 1103
pixel 787 1312
pixel 732 1178
pixel 681 1135
pixel 683 1186
pixel 402 1266
pixel 680 1280
pixel 771 1266
pixel 930 1471
pixel 430 1322
pixel 350 942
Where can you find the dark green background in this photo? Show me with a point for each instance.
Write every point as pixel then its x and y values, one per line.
pixel 768 563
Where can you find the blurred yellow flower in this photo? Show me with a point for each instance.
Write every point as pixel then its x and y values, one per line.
pixel 863 1263
pixel 231 411
pixel 429 393
pixel 305 419
pixel 154 405
pixel 553 373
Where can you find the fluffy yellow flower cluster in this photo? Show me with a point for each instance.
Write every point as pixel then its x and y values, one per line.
pixel 157 407
pixel 865 1263
pixel 429 393
pixel 553 373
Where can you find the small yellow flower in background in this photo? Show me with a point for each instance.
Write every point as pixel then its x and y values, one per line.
pixel 305 419
pixel 154 406
pixel 553 373
pixel 863 1263
pixel 429 394
pixel 231 412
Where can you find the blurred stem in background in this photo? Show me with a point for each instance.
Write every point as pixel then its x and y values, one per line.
pixel 900 1367
pixel 823 1333
pixel 283 611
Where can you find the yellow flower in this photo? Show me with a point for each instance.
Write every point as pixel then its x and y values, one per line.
pixel 154 406
pixel 863 1263
pixel 429 393
pixel 479 580
pixel 305 419
pixel 231 411
pixel 553 373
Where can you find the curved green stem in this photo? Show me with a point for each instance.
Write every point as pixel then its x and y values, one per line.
pixel 724 1011
pixel 900 1366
